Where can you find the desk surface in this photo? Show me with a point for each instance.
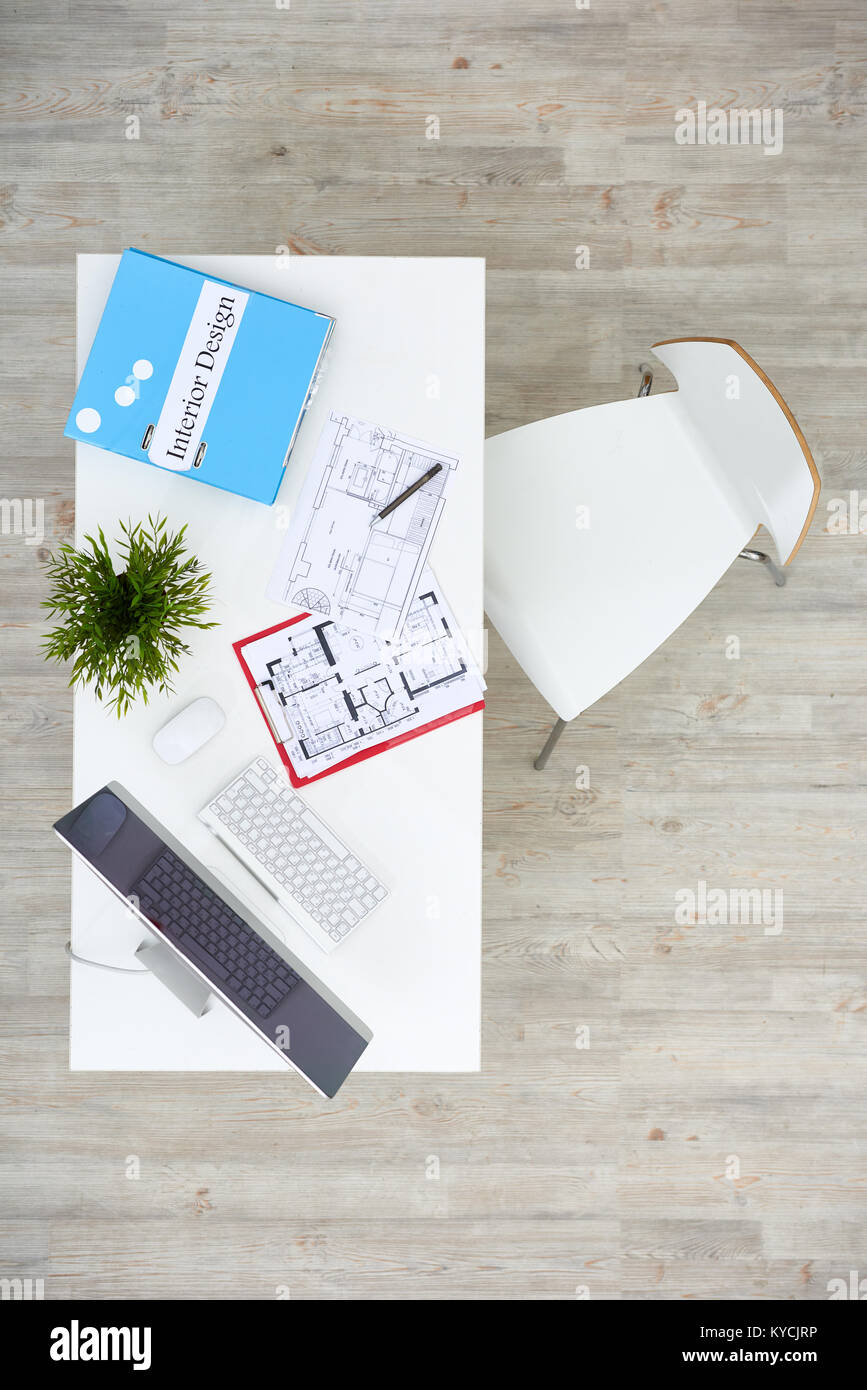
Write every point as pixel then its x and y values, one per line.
pixel 408 351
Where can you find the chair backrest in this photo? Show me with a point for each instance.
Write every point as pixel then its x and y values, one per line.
pixel 745 428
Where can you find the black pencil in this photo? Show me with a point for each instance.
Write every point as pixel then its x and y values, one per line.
pixel 414 487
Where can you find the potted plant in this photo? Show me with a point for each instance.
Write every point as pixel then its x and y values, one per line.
pixel 121 627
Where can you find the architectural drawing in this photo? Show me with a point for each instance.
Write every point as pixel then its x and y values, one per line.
pixel 332 691
pixel 336 563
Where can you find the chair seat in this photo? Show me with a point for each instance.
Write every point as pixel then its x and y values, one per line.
pixel 582 597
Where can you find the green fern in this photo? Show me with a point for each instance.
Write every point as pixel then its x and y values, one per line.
pixel 121 630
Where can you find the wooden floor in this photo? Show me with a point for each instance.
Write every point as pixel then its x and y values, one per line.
pixel 709 1142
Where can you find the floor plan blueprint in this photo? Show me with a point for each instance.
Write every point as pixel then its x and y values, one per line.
pixel 334 562
pixel 331 692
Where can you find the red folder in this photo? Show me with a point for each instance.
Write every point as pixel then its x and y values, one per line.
pixel 296 778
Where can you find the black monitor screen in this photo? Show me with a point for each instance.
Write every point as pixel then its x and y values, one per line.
pixel 117 843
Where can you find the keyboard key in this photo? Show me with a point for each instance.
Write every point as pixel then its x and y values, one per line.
pixel 206 960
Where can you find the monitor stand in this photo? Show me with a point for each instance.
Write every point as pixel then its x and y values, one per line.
pixel 115 925
pixel 181 982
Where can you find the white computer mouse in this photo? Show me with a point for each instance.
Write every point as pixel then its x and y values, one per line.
pixel 189 731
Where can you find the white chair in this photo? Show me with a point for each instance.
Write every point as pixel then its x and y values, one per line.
pixel 606 527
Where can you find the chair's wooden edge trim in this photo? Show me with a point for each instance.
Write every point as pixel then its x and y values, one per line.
pixel 796 428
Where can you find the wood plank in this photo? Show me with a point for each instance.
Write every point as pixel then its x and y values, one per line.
pixel 560 1166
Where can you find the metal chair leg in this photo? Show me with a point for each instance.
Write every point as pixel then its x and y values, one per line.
pixel 549 744
pixel 761 558
pixel 646 379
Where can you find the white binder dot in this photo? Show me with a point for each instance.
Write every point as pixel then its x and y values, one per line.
pixel 88 420
pixel 124 395
pixel 142 369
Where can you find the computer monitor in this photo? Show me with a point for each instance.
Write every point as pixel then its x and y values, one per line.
pixel 184 906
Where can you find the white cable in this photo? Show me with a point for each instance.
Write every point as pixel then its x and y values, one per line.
pixel 101 965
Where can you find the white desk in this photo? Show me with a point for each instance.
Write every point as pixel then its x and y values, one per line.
pixel 408 351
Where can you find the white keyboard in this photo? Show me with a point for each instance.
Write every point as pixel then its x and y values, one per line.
pixel 293 853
